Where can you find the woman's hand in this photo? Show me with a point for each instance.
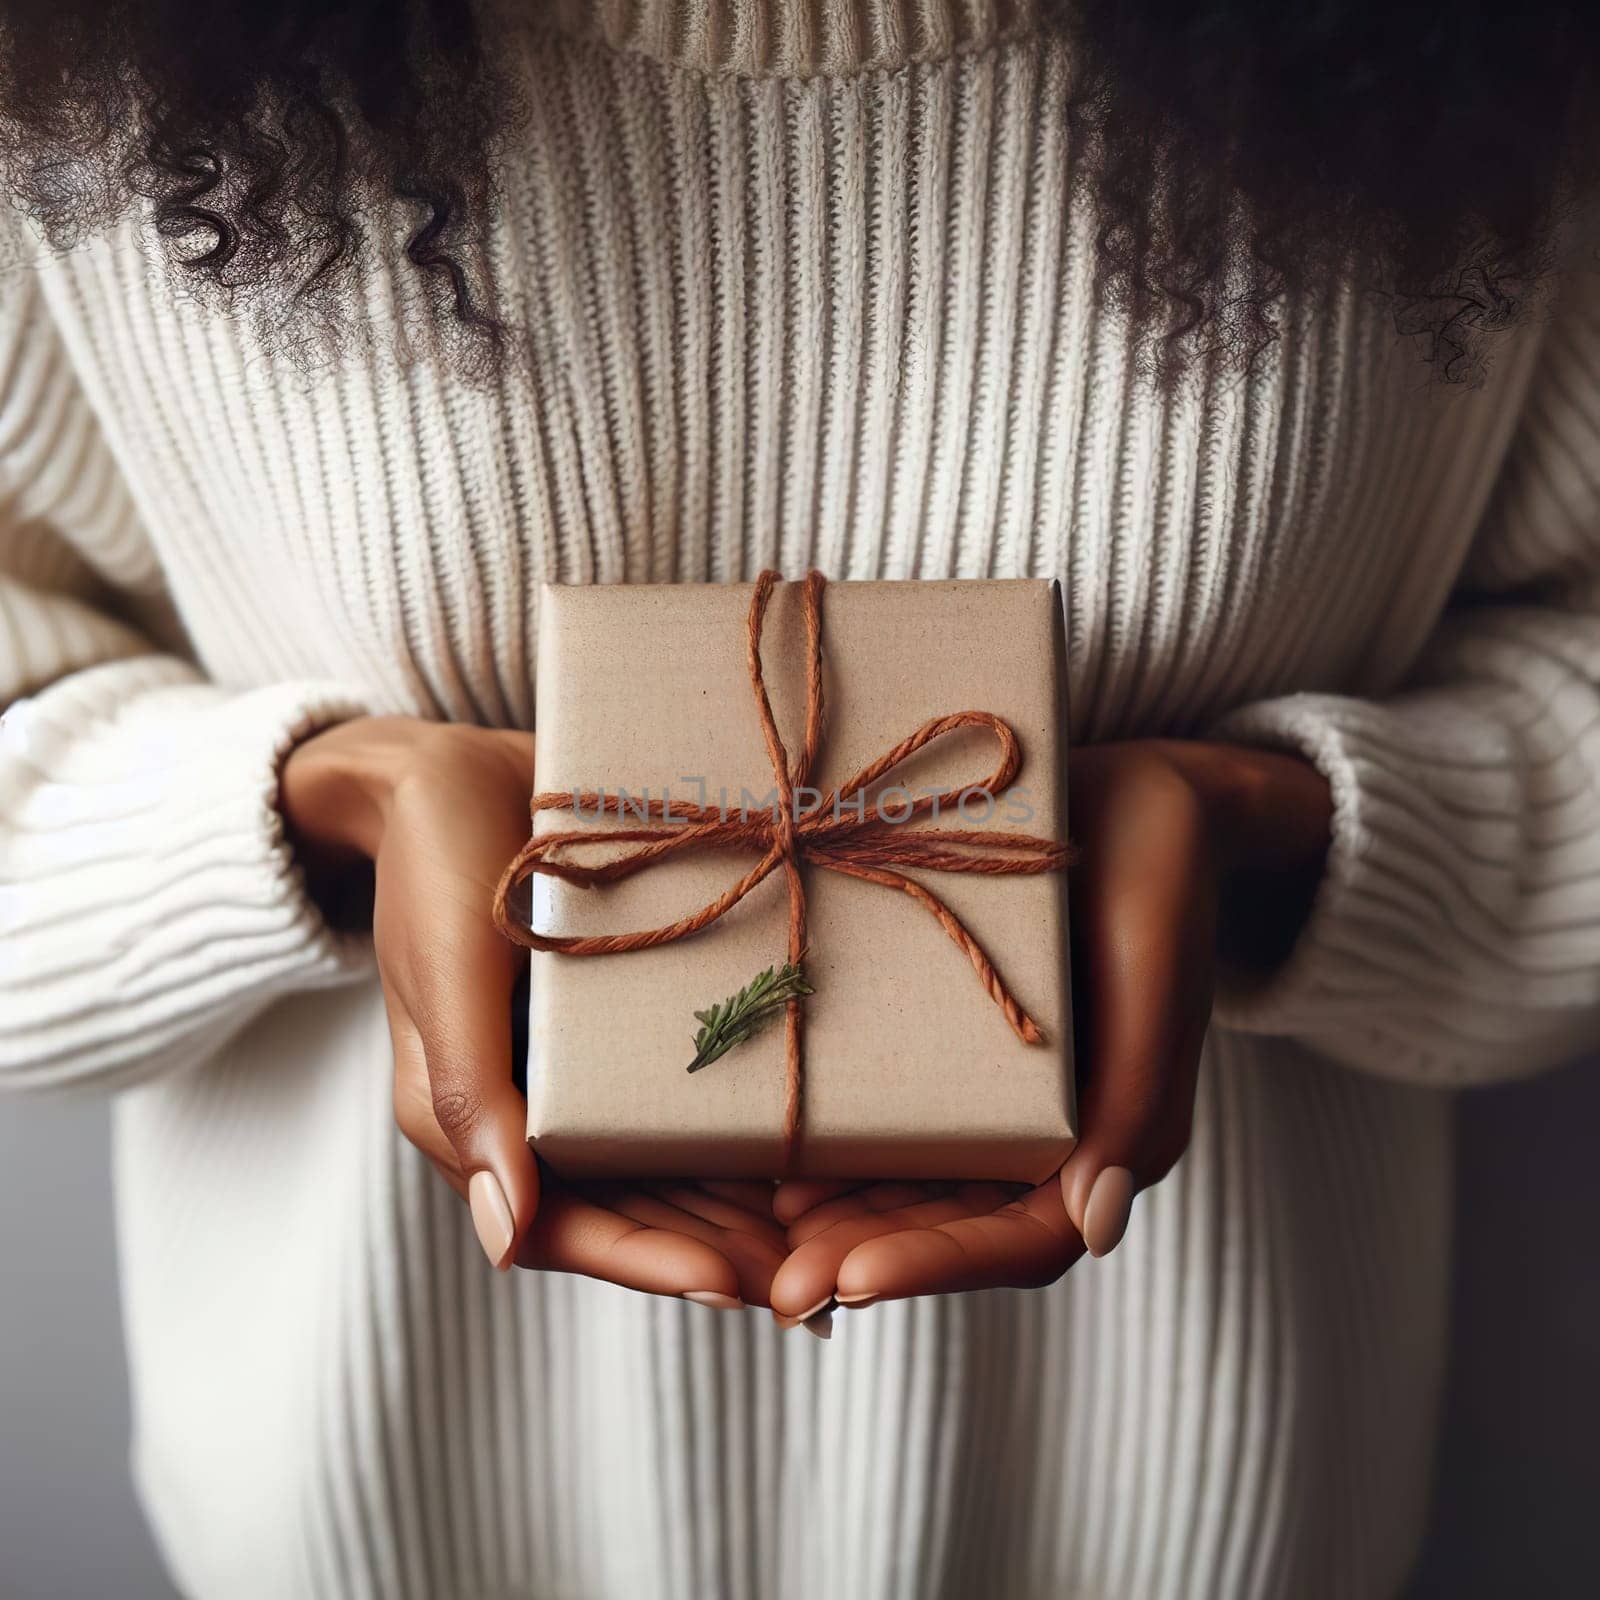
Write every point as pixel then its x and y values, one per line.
pixel 429 814
pixel 1180 845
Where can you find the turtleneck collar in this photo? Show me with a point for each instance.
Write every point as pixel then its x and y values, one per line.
pixel 794 38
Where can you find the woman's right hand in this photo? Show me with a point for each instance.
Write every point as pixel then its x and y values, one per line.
pixel 434 811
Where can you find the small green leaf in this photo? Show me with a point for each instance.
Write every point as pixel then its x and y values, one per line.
pixel 736 1018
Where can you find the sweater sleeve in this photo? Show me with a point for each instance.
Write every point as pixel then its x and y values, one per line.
pixel 149 904
pixel 1456 935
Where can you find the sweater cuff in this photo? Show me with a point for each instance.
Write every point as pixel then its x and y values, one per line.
pixel 152 899
pixel 1377 908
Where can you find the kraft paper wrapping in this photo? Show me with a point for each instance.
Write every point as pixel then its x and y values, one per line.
pixel 909 1068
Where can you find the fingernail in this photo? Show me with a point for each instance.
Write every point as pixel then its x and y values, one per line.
pixel 1105 1215
pixel 856 1302
pixel 491 1216
pixel 819 1326
pixel 824 1304
pixel 1077 1175
pixel 710 1297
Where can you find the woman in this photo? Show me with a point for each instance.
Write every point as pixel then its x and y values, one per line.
pixel 1180 309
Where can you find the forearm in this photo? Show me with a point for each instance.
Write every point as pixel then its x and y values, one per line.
pixel 1272 816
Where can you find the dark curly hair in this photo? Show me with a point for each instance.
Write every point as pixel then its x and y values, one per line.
pixel 1237 154
pixel 271 141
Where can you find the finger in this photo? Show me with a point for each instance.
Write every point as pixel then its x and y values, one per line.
pixel 753 1195
pixel 1147 912
pixel 1023 1245
pixel 700 1200
pixel 572 1234
pixel 805 1282
pixel 755 1260
pixel 1136 1123
pixel 458 988
pixel 519 751
pixel 795 1196
pixel 413 1101
pixel 874 1197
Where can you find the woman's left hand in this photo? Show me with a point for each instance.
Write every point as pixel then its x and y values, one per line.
pixel 1179 843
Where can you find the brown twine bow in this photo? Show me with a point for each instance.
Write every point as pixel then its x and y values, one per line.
pixel 853 842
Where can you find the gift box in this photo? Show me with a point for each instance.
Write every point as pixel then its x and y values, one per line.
pixel 924 906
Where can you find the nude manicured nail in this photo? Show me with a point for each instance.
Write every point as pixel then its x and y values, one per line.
pixel 710 1297
pixel 1076 1177
pixel 1106 1212
pixel 825 1304
pixel 856 1302
pixel 491 1216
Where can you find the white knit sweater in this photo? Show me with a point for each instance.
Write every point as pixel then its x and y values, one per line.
pixel 805 284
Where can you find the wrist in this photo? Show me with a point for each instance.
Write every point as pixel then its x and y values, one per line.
pixel 337 787
pixel 334 793
pixel 1269 811
pixel 1271 814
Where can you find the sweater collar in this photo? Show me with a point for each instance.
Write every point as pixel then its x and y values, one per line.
pixel 794 38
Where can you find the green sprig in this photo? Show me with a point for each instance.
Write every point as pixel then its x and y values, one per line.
pixel 732 1022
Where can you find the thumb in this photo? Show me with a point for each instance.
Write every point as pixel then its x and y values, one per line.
pixel 1147 980
pixel 1137 1115
pixel 467 1043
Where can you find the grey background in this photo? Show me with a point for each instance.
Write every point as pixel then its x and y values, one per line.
pixel 1520 1456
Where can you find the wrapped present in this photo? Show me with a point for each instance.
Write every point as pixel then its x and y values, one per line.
pixel 795 887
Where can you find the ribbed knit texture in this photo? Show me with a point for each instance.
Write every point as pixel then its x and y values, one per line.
pixel 802 284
